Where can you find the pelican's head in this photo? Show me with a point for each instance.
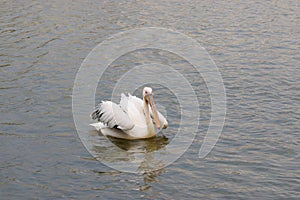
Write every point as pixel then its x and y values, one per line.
pixel 147 91
pixel 149 99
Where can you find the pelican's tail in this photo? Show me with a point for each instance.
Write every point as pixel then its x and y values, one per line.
pixel 98 126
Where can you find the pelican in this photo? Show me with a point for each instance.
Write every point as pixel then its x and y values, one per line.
pixel 133 118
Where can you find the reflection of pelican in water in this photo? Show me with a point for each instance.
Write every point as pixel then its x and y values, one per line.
pixel 132 119
pixel 134 146
pixel 135 156
pixel 138 156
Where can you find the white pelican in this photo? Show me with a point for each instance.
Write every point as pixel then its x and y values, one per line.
pixel 132 119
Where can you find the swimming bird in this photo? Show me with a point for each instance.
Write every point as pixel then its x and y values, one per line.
pixel 133 118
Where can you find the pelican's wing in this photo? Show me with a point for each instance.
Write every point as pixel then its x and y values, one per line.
pixel 113 115
pixel 134 108
pixel 127 101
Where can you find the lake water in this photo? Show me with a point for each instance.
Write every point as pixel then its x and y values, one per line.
pixel 255 45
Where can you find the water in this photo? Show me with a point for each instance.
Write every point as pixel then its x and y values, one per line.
pixel 256 47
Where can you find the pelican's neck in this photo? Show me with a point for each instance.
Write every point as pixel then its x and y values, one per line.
pixel 150 127
pixel 147 113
